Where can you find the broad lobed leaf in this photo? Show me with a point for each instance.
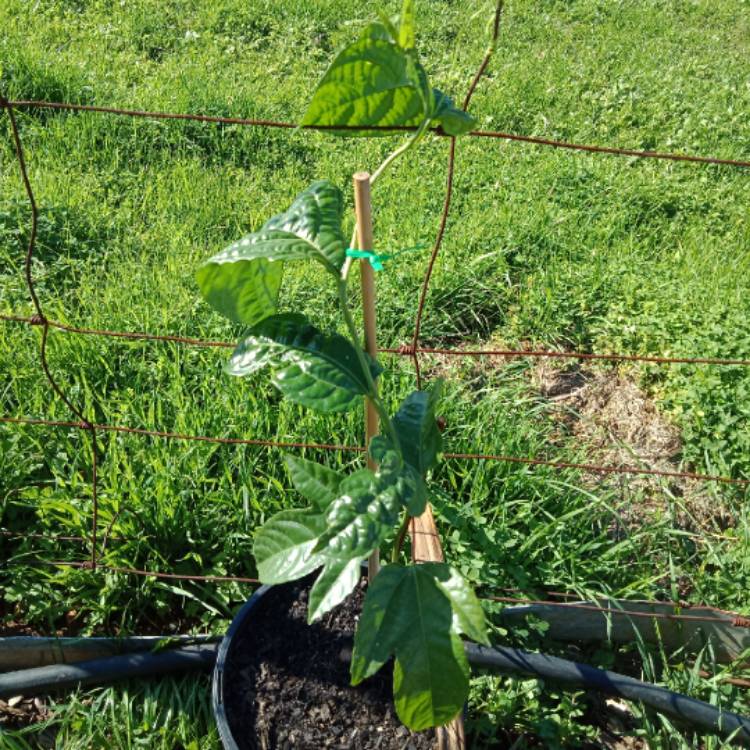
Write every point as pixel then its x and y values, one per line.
pixel 314 369
pixel 415 613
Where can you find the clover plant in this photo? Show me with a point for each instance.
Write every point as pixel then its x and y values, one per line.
pixel 414 613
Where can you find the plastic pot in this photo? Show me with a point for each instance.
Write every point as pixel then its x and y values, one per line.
pixel 241 620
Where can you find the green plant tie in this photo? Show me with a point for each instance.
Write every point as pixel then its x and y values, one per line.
pixel 377 259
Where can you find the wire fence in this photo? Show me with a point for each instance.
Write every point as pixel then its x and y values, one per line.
pixel 414 350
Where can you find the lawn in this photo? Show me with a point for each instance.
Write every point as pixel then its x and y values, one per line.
pixel 543 247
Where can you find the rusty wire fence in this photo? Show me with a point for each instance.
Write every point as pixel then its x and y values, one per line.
pixel 97 541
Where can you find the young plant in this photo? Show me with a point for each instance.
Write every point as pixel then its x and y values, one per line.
pixel 414 613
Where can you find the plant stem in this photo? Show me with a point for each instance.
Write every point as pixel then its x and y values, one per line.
pixel 402 149
pixel 412 141
pixel 399 543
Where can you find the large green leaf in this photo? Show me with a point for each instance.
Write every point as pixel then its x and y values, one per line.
pixel 309 367
pixel 283 546
pixel 407 613
pixel 335 582
pixel 361 517
pixel 417 429
pixel 373 81
pixel 244 291
pixel 316 482
pixel 242 281
pixel 453 120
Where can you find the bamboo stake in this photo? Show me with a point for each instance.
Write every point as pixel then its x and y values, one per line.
pixel 363 211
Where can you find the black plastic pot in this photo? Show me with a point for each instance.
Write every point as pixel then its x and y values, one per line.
pixel 239 622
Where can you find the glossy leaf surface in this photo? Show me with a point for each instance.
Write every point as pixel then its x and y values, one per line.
pixel 409 485
pixel 245 291
pixel 361 517
pixel 417 429
pixel 318 483
pixel 371 82
pixel 283 547
pixel 309 367
pixel 407 613
pixel 335 582
pixel 242 281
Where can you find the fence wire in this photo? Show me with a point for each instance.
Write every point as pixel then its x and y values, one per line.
pixel 414 350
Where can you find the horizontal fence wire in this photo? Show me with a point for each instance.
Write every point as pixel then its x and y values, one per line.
pixel 590 605
pixel 594 468
pixel 264 123
pixel 405 350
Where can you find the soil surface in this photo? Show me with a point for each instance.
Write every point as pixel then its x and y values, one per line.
pixel 286 683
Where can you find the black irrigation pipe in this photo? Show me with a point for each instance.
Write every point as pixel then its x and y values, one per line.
pixel 570 674
pixel 41 680
pixel 695 713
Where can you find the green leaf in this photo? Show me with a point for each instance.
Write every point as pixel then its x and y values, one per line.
pixel 373 81
pixel 283 546
pixel 430 679
pixel 335 582
pixel 406 34
pixel 409 486
pixel 309 367
pixel 245 291
pixel 468 615
pixel 453 120
pixel 407 614
pixel 361 517
pixel 242 282
pixel 417 429
pixel 316 482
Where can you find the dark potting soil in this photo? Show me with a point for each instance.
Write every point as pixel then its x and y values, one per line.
pixel 286 683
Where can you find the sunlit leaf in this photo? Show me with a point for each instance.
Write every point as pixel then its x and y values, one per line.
pixel 373 81
pixel 316 482
pixel 335 582
pixel 406 33
pixel 409 615
pixel 283 546
pixel 361 517
pixel 242 281
pixel 453 120
pixel 309 367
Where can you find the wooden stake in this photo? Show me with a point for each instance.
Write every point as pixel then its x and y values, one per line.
pixel 363 211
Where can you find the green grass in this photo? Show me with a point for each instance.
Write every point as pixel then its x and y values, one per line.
pixel 544 247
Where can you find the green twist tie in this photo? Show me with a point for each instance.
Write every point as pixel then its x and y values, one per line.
pixel 377 259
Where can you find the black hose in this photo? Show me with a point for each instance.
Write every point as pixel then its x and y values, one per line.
pixel 696 713
pixel 39 680
pixel 507 660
